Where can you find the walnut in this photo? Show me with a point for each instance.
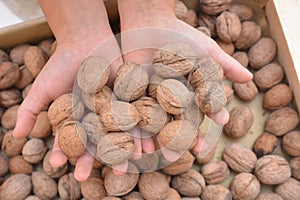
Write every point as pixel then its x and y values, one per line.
pixel 32 197
pixel 242 58
pixel 3 164
pixel 133 196
pixel 154 82
pixel 17 53
pixel 172 195
pixel 282 121
pixel 46 46
pixel 272 170
pixel 277 97
pixel 10 97
pixel 216 192
pixel 16 187
pixel 295 167
pixel 268 76
pixel 240 121
pixel 191 18
pixel 34 150
pixel 228 26
pixel 12 146
pixel 174 60
pixel 42 127
pixel 226 47
pixel 203 160
pixel 180 10
pixel 265 144
pixel 209 22
pixel 147 163
pixel 93 74
pixel 289 190
pixel 53 172
pixel 290 143
pixel 190 183
pixel 34 60
pixel 3 56
pixel 246 91
pixel 250 34
pixel 268 196
pixel 229 93
pixel 9 74
pixel 153 185
pixel 205 30
pixel 9 117
pixel 244 12
pixel 93 188
pixel 25 78
pixel 68 187
pixel 43 186
pixel 262 52
pixel 245 186
pixel 183 164
pixel 213 7
pixel 215 172
pixel 26 90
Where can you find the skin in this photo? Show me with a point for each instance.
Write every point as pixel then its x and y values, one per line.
pixel 78 27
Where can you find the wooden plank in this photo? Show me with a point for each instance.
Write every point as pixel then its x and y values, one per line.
pixel 284 22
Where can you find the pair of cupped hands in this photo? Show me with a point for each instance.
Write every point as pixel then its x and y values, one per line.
pixel 141 32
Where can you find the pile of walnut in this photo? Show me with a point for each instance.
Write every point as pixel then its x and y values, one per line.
pixel 100 113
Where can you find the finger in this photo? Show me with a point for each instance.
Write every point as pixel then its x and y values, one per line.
pixel 200 143
pixel 57 157
pixel 220 117
pixel 84 166
pixel 148 145
pixel 171 156
pixel 120 169
pixel 137 154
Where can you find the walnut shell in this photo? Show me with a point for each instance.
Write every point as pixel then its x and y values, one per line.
pixel 93 188
pixel 262 52
pixel 3 164
pixel 268 76
pixel 229 93
pixel 226 47
pixel 65 108
pixel 72 139
pixel 190 183
pixel 68 187
pixel 172 195
pixel 93 74
pixel 277 97
pixel 282 121
pixel 268 196
pixel 34 60
pixel 115 147
pixel 154 117
pixel 43 186
pixel 183 164
pixel 228 26
pixel 290 143
pixel 34 150
pixel 215 172
pixel 147 163
pixel 265 144
pixel 120 185
pixel 203 160
pixel 204 30
pixel 9 74
pixel 295 167
pixel 119 115
pixel 246 91
pixel 32 197
pixel 154 82
pixel 3 56
pixel 289 190
pixel 46 46
pixel 240 121
pixel 53 172
pixel 16 187
pixel 250 34
pixel 173 96
pixel 10 97
pixel 135 88
pixel 42 127
pixel 245 186
pixel 26 90
pixel 133 196
pixel 216 192
pixel 242 58
pixel 191 18
pixel 180 10
pixel 153 185
pixel 239 158
pixel 272 170
pixel 213 7
pixel 209 22
pixel 25 78
pixel 12 146
pixel 17 53
pixel 9 117
pixel 244 12
pixel 178 135
pixel 174 60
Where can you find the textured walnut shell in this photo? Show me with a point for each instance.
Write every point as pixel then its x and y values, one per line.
pixel 72 139
pixel 147 163
pixel 246 91
pixel 12 146
pixel 240 121
pixel 178 135
pixel 213 7
pixel 119 115
pixel 68 187
pixel 228 26
pixel 245 186
pixel 26 90
pixel 262 52
pixel 290 190
pixel 229 93
pixel 65 108
pixel 204 30
pixel 3 56
pixel 10 97
pixel 93 188
pixel 25 78
pixel 3 164
pixel 282 121
pixel 153 185
pixel 32 197
pixel 290 143
pixel 295 167
pixel 43 186
pixel 34 60
pixel 9 74
pixel 242 58
pixel 46 46
pixel 16 187
pixel 250 34
pixel 207 70
pixel 120 185
pixel 268 76
pixel 189 184
pixel 53 172
pixel 136 87
pixel 173 96
pixel 9 117
pixel 154 82
pixel 183 164
pixel 134 196
pixel 42 127
pixel 215 172
pixel 239 158
pixel 268 196
pixel 216 192
pixel 17 53
pixel 244 12
pixel 180 10
pixel 93 74
pixel 154 117
pixel 174 60
pixel 172 194
pixel 225 46
pixel 272 170
pixel 95 101
pixel 203 160
pixel 191 18
pixel 115 147
pixel 265 144
pixel 209 22
pixel 34 150
pixel 277 97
